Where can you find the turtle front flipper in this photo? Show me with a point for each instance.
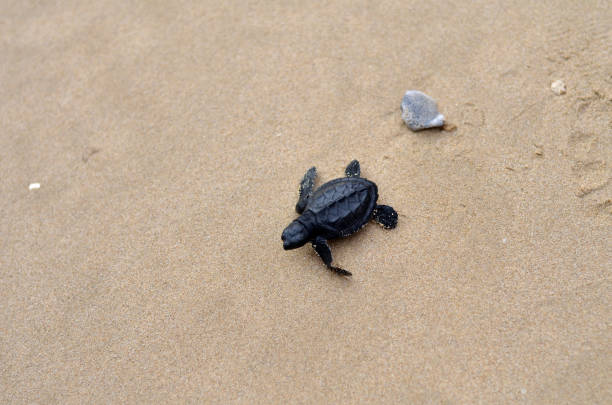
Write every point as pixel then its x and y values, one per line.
pixel 386 216
pixel 306 187
pixel 353 169
pixel 322 248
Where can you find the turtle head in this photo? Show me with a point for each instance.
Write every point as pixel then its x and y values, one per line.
pixel 295 235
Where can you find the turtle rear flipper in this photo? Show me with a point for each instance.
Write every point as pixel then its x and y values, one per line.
pixel 386 216
pixel 322 248
pixel 353 169
pixel 306 187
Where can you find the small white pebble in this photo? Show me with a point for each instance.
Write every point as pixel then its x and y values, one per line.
pixel 558 87
pixel 523 391
pixel 504 240
pixel 34 186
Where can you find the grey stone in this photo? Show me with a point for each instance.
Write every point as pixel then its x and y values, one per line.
pixel 419 111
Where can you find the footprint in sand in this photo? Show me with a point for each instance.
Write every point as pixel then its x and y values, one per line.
pixel 472 116
pixel 581 46
pixel 590 147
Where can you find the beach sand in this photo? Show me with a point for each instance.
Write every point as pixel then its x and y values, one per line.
pixel 169 139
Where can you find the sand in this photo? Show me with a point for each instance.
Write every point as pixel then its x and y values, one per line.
pixel 169 138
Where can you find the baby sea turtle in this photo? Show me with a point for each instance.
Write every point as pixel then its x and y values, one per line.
pixel 335 210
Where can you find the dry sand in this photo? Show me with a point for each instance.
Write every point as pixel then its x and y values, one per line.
pixel 169 138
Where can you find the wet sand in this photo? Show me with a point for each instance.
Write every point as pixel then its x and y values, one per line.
pixel 169 141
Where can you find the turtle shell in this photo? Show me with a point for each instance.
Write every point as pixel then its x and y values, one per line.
pixel 343 206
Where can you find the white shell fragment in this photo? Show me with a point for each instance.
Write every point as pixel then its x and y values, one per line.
pixel 419 111
pixel 34 186
pixel 558 87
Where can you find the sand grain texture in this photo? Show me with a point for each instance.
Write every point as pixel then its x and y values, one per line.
pixel 169 138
